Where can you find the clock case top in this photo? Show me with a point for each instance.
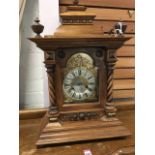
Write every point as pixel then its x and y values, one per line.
pixel 78 33
pixel 77 30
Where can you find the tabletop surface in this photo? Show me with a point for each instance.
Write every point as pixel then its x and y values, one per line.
pixel 28 133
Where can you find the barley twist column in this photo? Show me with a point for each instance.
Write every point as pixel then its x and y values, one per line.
pixel 50 65
pixel 111 60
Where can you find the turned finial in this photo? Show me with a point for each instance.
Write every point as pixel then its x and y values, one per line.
pixel 37 20
pixel 75 2
pixel 37 27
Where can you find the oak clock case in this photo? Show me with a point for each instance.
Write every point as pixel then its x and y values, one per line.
pixel 82 77
pixel 80 60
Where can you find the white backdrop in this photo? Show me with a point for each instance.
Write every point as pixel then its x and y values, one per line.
pixel 33 90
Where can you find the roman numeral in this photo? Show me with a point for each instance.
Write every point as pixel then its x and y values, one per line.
pixel 71 92
pixel 79 71
pixel 86 94
pixel 80 96
pixel 70 76
pixel 90 77
pixel 90 89
pixel 74 94
pixel 67 82
pixel 83 72
pixel 91 83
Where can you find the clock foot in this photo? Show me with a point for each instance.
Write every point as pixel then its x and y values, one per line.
pixel 105 118
pixel 53 114
pixel 110 110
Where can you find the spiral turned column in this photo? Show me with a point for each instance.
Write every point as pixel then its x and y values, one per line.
pixel 53 108
pixel 111 61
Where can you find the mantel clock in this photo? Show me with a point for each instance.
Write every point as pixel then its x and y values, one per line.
pixel 80 61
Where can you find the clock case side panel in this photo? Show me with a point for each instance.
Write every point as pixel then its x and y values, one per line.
pixel 98 55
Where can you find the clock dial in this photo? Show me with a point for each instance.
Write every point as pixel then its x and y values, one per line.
pixel 79 84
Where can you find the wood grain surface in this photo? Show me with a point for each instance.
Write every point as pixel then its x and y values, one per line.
pixel 126 62
pixel 126 51
pixel 130 42
pixel 125 104
pixel 29 130
pixel 124 84
pixel 107 14
pixel 103 3
pixel 124 73
pixel 124 93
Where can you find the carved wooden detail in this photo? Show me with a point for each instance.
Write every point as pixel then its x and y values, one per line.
pixel 111 61
pixel 81 116
pixel 78 17
pixel 37 28
pixel 77 20
pixel 50 66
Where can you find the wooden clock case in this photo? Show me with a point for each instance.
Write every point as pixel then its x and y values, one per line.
pixel 85 121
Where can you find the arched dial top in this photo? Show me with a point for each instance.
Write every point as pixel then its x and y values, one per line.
pixel 80 60
pixel 80 79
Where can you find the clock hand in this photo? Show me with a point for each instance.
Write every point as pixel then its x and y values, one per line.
pixel 83 82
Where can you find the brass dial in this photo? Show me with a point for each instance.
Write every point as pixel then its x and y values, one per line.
pixel 79 84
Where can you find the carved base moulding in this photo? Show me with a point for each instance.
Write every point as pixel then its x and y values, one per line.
pixel 75 131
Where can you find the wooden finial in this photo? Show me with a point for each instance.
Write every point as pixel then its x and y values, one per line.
pixel 37 20
pixel 37 27
pixel 75 2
